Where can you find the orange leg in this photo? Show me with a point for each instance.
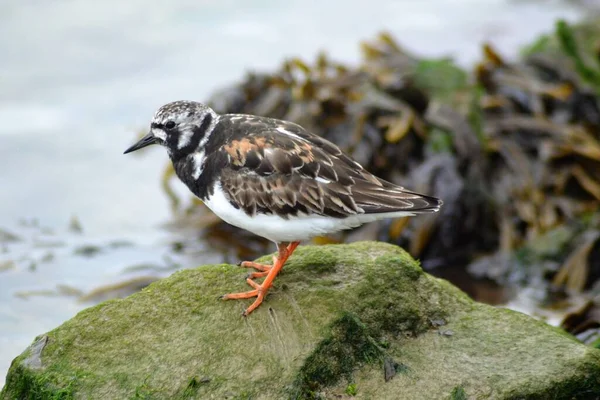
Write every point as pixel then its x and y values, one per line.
pixel 285 250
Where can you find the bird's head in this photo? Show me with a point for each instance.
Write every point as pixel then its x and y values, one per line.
pixel 180 126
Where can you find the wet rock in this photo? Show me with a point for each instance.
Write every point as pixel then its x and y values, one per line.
pixel 8 237
pixel 120 243
pixel 7 265
pixel 117 290
pixel 75 225
pixel 34 357
pixel 88 250
pixel 363 317
pixel 27 294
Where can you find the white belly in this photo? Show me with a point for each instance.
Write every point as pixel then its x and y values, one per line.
pixel 278 229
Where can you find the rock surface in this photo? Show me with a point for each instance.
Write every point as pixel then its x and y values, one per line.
pixel 360 320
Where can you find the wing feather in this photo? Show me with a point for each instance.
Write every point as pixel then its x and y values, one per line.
pixel 285 170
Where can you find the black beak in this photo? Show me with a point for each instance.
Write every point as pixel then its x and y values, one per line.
pixel 143 142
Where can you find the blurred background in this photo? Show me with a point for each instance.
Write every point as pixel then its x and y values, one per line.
pixel 407 87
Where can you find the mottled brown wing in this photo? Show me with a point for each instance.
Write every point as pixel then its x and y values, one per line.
pixel 283 169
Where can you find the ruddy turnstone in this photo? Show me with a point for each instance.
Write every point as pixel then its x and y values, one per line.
pixel 273 178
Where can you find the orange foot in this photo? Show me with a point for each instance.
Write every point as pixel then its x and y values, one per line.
pixel 260 290
pixel 263 270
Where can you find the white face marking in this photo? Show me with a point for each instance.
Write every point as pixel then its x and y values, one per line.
pixel 185 136
pixel 187 116
pixel 198 160
pixel 286 132
pixel 159 133
pixel 214 122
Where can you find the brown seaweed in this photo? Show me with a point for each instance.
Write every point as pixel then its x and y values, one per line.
pixel 513 150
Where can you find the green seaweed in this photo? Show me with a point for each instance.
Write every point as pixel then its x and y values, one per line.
pixel 351 389
pixel 348 345
pixel 541 44
pixel 440 141
pixel 58 382
pixel 440 77
pixel 570 46
pixel 458 393
pixel 144 391
pixel 191 390
pixel 475 115
pixel 579 42
pixel 311 337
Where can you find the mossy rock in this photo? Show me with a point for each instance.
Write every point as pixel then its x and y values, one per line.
pixel 360 320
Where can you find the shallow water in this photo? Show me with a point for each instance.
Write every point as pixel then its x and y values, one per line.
pixel 80 78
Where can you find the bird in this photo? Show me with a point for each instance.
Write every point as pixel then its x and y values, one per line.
pixel 275 179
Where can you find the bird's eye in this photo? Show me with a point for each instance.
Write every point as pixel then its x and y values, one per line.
pixel 170 125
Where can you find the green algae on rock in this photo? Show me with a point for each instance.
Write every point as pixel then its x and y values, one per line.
pixel 360 320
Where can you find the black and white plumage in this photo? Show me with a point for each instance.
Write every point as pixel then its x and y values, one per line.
pixel 272 177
